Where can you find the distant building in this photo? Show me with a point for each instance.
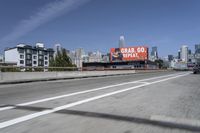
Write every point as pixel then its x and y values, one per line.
pixel 179 54
pixel 78 59
pixel 79 56
pixel 170 58
pixel 67 51
pixel 197 49
pixel 79 52
pixel 197 53
pixel 175 64
pixel 72 56
pixel 189 51
pixel 154 54
pixel 95 57
pixel 26 55
pixel 121 42
pixel 106 58
pixel 191 57
pixel 1 58
pixel 184 53
pixel 57 48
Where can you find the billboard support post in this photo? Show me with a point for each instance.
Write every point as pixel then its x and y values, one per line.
pixel 145 65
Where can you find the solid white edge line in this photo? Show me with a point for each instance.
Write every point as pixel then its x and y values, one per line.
pixel 82 92
pixel 45 112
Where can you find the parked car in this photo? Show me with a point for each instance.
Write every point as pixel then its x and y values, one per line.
pixel 196 69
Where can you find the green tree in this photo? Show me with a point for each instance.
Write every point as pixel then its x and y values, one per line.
pixel 160 63
pixel 61 60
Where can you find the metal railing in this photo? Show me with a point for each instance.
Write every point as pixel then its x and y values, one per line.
pixel 35 69
pixel 52 69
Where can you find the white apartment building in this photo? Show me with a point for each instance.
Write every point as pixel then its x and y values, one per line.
pixel 26 55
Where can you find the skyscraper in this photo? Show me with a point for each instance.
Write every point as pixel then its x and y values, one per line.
pixel 121 42
pixel 197 53
pixel 189 51
pixel 79 53
pixel 197 49
pixel 184 53
pixel 179 54
pixel 154 53
pixel 57 48
pixel 170 58
pixel 1 58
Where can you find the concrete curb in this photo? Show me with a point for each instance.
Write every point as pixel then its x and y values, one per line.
pixel 67 78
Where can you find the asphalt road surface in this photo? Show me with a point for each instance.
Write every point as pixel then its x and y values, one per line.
pixel 162 102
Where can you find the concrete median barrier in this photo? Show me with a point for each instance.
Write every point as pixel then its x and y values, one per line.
pixel 6 77
pixel 22 77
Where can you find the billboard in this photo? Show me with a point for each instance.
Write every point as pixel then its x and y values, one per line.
pixel 129 53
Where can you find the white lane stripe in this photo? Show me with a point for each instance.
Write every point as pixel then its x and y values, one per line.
pixel 143 82
pixel 82 92
pixel 45 112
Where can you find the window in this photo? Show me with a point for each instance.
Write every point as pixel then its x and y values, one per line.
pixel 40 52
pixel 46 62
pixel 28 62
pixel 40 63
pixel 50 57
pixel 28 51
pixel 21 56
pixel 34 57
pixel 34 62
pixel 46 58
pixel 40 57
pixel 21 61
pixel 21 50
pixel 28 56
pixel 34 51
pixel 51 53
pixel 45 53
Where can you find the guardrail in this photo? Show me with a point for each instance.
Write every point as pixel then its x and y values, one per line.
pixel 52 69
pixel 35 69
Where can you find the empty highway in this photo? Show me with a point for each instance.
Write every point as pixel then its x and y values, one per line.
pixel 161 102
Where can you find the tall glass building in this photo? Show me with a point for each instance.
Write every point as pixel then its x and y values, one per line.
pixel 197 49
pixel 197 53
pixel 154 53
pixel 121 42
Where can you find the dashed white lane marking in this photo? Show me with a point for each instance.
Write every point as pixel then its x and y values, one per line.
pixel 45 112
pixel 83 92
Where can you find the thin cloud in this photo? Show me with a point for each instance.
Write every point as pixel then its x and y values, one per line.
pixel 44 15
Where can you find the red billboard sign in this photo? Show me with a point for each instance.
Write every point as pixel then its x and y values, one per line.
pixel 129 53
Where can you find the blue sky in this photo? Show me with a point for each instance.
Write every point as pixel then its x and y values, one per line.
pixel 97 24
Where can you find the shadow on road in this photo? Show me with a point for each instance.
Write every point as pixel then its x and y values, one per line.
pixel 131 119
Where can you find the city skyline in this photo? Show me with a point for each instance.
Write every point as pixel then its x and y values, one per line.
pixel 191 49
pixel 82 24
